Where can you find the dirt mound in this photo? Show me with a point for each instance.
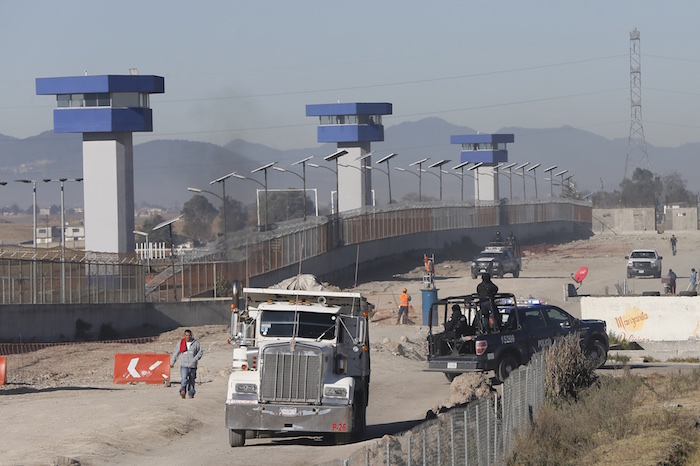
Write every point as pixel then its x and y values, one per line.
pixel 466 387
pixel 404 348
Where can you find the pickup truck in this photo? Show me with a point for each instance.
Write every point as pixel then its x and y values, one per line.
pixel 496 260
pixel 505 338
pixel 642 262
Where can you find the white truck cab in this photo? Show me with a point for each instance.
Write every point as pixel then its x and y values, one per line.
pixel 301 363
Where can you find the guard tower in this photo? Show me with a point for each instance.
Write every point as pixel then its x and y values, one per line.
pixel 107 109
pixel 353 126
pixel 489 150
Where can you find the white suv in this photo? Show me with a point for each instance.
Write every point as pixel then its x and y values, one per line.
pixel 644 262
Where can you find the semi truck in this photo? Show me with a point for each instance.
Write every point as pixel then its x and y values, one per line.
pixel 301 363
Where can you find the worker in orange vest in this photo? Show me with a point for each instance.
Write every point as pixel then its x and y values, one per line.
pixel 429 268
pixel 403 306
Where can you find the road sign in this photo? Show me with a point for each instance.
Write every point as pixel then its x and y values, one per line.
pixel 149 368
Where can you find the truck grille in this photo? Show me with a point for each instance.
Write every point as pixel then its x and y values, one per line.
pixel 641 265
pixel 291 376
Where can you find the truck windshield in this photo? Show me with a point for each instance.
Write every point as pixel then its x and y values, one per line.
pixel 495 255
pixel 310 324
pixel 643 255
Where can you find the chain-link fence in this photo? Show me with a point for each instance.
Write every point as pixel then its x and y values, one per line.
pixel 50 276
pixel 480 433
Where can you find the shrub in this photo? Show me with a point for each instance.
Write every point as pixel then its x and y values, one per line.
pixel 567 370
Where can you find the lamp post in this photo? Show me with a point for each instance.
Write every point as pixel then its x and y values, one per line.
pixel 403 170
pixel 534 177
pixel 438 165
pixel 33 183
pixel 561 181
pixel 63 232
pixel 474 168
pixel 568 182
pixel 264 169
pixel 510 176
pixel 522 167
pixel 551 182
pixel 333 205
pixel 148 248
pixel 388 171
pixel 420 179
pixel 335 156
pixel 302 176
pixel 169 224
pixel 461 175
pixel 222 180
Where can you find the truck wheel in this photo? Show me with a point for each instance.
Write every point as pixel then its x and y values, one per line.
pixel 359 411
pixel 473 275
pixel 658 274
pixel 516 273
pixel 500 274
pixel 597 354
pixel 236 438
pixel 629 275
pixel 507 364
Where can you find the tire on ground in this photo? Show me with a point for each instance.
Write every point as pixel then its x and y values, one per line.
pixel 507 364
pixel 236 438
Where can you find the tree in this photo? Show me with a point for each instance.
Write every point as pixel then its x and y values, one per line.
pixel 286 205
pixel 54 210
pixel 199 215
pixel 157 236
pixel 643 190
pixel 674 190
pixel 236 214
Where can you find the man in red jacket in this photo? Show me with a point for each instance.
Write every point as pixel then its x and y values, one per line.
pixel 191 352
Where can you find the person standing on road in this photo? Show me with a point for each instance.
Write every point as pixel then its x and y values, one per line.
pixel 693 282
pixel 672 280
pixel 674 241
pixel 403 306
pixel 191 352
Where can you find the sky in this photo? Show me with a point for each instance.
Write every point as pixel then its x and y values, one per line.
pixel 247 70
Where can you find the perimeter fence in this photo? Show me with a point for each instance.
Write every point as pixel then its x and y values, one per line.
pixel 481 433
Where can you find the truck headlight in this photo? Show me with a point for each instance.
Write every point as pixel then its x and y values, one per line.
pixel 246 388
pixel 335 392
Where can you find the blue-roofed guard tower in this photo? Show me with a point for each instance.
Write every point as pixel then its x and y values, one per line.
pixel 490 150
pixel 353 126
pixel 107 109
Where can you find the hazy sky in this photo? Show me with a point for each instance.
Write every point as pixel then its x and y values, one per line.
pixel 247 69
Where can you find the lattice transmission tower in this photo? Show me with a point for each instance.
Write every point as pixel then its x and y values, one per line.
pixel 636 137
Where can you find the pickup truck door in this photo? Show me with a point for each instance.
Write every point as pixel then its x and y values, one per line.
pixel 539 334
pixel 561 321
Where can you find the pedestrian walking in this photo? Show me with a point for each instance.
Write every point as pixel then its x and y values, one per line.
pixel 672 280
pixel 674 241
pixel 190 352
pixel 693 281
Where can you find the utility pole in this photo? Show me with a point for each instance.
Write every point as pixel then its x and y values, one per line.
pixel 636 137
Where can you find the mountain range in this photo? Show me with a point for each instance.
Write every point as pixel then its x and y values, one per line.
pixel 163 169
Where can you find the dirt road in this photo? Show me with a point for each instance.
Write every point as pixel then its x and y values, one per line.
pixel 65 406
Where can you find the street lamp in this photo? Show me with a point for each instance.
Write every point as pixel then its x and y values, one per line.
pixel 561 181
pixel 474 168
pixel 33 182
pixel 63 233
pixel 388 171
pixel 420 179
pixel 438 165
pixel 335 156
pixel 533 169
pixel 302 176
pixel 522 167
pixel 461 175
pixel 315 165
pixel 403 170
pixel 222 180
pixel 148 248
pixel 169 224
pixel 510 176
pixel 551 183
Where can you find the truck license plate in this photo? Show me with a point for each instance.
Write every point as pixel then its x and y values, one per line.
pixel 452 365
pixel 482 270
pixel 288 412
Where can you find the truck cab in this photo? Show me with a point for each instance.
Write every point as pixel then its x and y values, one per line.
pixel 497 260
pixel 301 363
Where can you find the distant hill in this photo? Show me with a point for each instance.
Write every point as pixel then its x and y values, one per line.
pixel 165 168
